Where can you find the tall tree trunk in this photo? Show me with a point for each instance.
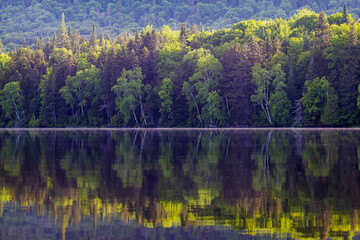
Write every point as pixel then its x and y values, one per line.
pixel 135 118
pixel 142 110
pixel 197 108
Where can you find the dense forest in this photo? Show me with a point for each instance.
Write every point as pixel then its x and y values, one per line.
pixel 298 72
pixel 28 19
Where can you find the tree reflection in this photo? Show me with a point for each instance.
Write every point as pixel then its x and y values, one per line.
pixel 302 183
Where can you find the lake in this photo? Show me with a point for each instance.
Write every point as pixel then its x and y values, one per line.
pixel 180 184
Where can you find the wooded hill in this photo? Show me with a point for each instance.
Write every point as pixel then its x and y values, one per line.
pixel 298 72
pixel 21 19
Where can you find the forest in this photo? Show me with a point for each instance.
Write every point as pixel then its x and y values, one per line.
pixel 303 71
pixel 28 19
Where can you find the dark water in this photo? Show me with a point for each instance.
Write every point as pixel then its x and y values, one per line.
pixel 220 184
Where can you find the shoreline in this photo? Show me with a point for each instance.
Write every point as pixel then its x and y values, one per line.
pixel 182 129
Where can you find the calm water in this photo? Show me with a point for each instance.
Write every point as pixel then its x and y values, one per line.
pixel 220 184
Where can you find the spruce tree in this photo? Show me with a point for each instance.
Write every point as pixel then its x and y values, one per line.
pixel 183 33
pixel 194 29
pixel 102 41
pixel 55 42
pixel 352 37
pixel 322 31
pixel 310 74
pixel 1 47
pixel 48 48
pixel 93 39
pixel 306 41
pixel 345 15
pixel 63 38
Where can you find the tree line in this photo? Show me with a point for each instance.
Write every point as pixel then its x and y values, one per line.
pixel 298 72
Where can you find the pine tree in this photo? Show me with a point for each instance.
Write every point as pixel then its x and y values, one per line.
pixel 37 44
pixel 348 81
pixel 310 74
pixel 322 31
pixel 119 40
pixel 352 37
pixel 55 41
pixel 1 47
pixel 75 42
pixel 345 15
pixel 126 37
pixel 184 32
pixel 306 41
pixel 194 29
pixel 63 38
pixel 322 41
pixel 268 47
pixel 48 48
pixel 256 56
pixel 93 39
pixel 102 41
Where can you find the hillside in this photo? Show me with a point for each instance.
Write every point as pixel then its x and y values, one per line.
pixel 28 19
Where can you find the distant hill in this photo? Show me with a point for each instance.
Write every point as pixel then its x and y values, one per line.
pixel 20 19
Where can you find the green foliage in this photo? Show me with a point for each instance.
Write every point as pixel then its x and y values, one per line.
pixel 42 16
pixel 269 94
pixel 314 99
pixel 12 102
pixel 200 89
pixel 166 94
pixel 129 90
pixel 280 109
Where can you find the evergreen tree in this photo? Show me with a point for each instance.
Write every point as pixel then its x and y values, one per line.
pixel 93 39
pixel 102 41
pixel 194 29
pixel 48 48
pixel 345 15
pixel 184 32
pixel 63 37
pixel 322 32
pixel 1 47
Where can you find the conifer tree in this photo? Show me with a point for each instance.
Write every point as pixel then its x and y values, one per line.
pixel 184 32
pixel 194 29
pixel 322 31
pixel 306 41
pixel 310 74
pixel 102 41
pixel 352 37
pixel 55 42
pixel 93 39
pixel 63 38
pixel 48 48
pixel 75 42
pixel 126 37
pixel 345 15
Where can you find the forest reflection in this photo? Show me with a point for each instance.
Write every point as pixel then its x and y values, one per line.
pixel 299 183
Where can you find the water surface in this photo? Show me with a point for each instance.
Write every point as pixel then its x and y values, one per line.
pixel 179 184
